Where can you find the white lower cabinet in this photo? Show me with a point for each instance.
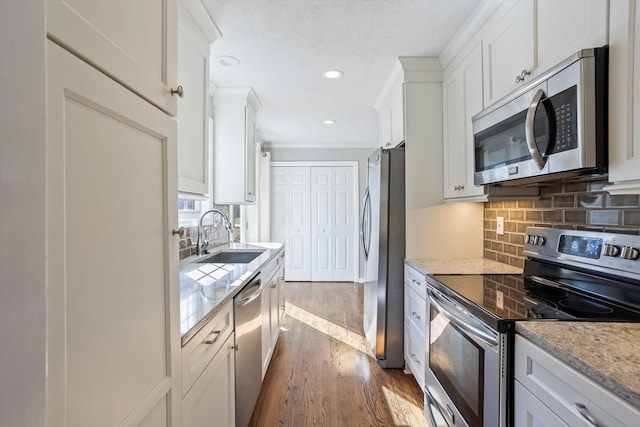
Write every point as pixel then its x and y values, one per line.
pixel 530 412
pixel 208 373
pixel 565 395
pixel 273 300
pixel 415 305
pixel 211 400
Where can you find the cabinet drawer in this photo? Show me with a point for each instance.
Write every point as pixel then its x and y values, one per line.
pixel 415 354
pixel 561 388
pixel 416 280
pixel 530 412
pixel 415 309
pixel 199 351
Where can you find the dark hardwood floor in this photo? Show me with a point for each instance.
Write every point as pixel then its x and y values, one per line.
pixel 323 372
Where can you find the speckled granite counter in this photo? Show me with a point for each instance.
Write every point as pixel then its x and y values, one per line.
pixel 205 287
pixel 461 266
pixel 607 353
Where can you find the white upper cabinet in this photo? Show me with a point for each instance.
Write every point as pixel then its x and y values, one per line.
pixel 234 145
pixel 462 98
pixel 133 42
pixel 565 27
pixel 508 49
pixel 624 98
pixel 390 106
pixel 391 115
pixel 196 32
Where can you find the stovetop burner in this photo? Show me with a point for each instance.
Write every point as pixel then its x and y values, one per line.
pixel 584 307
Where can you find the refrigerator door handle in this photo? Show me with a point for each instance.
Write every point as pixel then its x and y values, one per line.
pixel 365 224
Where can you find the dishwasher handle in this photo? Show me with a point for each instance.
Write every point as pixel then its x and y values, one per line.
pixel 246 296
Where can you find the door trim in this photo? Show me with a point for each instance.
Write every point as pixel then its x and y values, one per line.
pixel 354 164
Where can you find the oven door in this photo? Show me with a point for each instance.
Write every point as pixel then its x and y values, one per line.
pixel 465 377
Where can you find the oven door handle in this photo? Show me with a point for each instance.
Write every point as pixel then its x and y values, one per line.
pixel 432 405
pixel 463 323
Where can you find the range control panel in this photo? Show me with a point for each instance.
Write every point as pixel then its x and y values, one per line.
pixel 604 250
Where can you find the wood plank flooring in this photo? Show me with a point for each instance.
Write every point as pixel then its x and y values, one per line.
pixel 323 372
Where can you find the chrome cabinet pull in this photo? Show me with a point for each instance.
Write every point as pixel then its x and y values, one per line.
pixel 414 314
pixel 458 187
pixel 582 409
pixel 179 232
pixel 522 75
pixel 415 358
pixel 178 91
pixel 210 339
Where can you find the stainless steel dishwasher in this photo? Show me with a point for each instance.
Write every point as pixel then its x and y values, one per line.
pixel 248 322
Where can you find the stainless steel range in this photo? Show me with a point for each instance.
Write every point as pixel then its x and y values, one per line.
pixel 568 275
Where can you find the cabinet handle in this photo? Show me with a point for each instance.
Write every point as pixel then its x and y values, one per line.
pixel 415 358
pixel 414 314
pixel 415 282
pixel 275 285
pixel 210 339
pixel 458 187
pixel 179 232
pixel 522 75
pixel 582 409
pixel 178 91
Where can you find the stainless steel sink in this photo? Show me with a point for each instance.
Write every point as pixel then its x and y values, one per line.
pixel 233 257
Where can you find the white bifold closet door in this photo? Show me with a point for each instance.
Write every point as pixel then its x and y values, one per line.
pixel 313 214
pixel 331 223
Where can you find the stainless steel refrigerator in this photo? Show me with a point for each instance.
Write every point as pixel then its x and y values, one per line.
pixel 383 243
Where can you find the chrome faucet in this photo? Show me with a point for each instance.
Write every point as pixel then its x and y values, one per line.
pixel 203 242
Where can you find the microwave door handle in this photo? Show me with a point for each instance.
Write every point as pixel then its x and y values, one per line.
pixel 463 323
pixel 528 129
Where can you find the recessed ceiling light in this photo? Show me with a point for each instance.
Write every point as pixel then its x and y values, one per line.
pixel 228 61
pixel 329 122
pixel 332 74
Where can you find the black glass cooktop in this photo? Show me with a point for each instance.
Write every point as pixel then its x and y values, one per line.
pixel 543 293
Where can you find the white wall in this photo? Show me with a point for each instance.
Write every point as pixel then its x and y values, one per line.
pixel 22 213
pixel 434 229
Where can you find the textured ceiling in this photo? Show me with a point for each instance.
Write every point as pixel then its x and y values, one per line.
pixel 284 46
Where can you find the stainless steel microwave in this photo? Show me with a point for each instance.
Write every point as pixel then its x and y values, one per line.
pixel 554 127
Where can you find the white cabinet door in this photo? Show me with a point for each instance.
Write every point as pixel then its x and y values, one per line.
pixel 193 107
pixel 624 97
pixel 397 114
pixel 332 227
pixel 234 149
pixel 384 116
pixel 282 293
pixel 508 50
pixel 564 27
pixel 113 338
pixel 250 157
pixel 462 98
pixel 132 41
pixel 211 401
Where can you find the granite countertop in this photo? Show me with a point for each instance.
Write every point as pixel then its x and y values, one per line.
pixel 206 287
pixel 606 352
pixel 461 266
